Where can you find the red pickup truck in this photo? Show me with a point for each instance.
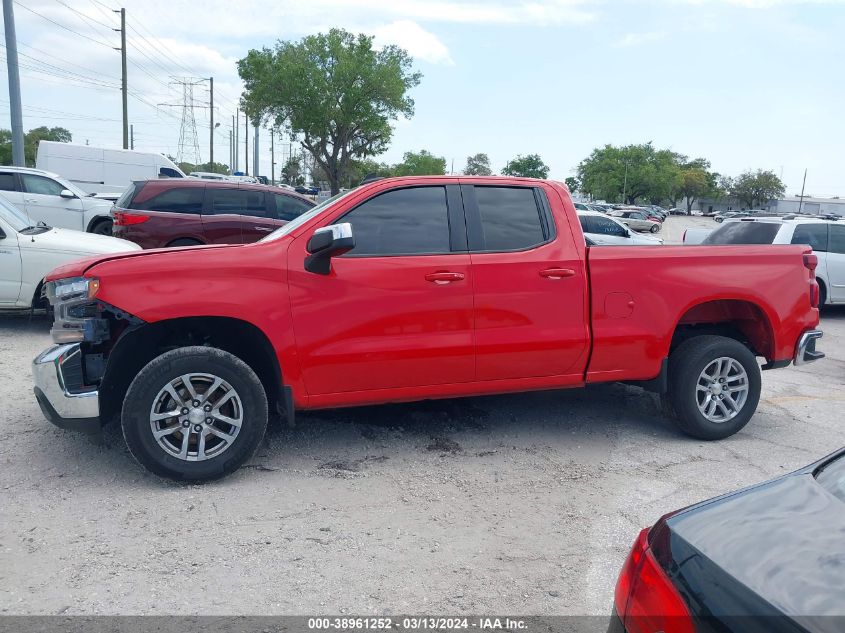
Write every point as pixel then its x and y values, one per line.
pixel 407 289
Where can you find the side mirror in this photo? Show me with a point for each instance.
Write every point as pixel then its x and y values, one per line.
pixel 67 193
pixel 2 234
pixel 627 233
pixel 327 242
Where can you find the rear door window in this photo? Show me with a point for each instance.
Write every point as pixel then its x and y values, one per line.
pixel 837 239
pixel 743 233
pixel 608 227
pixel 288 207
pixel 511 219
pixel 813 234
pixel 175 200
pixel 236 201
pixel 7 182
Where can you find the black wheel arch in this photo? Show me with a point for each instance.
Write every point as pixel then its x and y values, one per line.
pixel 139 344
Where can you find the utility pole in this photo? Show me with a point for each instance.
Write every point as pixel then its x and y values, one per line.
pixel 123 86
pixel 246 144
pixel 231 151
pixel 625 183
pixel 211 123
pixel 801 199
pixel 255 169
pixel 14 84
pixel 131 137
pixel 272 160
pixel 235 142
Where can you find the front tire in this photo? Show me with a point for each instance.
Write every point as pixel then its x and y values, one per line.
pixel 194 413
pixel 714 386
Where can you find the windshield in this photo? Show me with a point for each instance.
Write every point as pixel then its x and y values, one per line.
pixel 290 226
pixel 13 215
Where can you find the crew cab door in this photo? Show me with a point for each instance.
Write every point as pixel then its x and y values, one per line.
pixel 10 265
pixel 394 312
pixel 41 196
pixel 530 286
pixel 836 263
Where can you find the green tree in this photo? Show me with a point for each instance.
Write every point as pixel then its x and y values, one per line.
pixel 422 163
pixel 755 188
pixel 333 90
pixel 478 165
pixel 571 184
pixel 30 142
pixel 697 181
pixel 359 169
pixel 630 173
pixel 215 168
pixel 531 166
pixel 292 171
pixel 5 147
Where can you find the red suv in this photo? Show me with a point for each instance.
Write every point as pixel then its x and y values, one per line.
pixel 160 213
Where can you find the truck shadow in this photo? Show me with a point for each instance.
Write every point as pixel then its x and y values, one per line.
pixel 349 442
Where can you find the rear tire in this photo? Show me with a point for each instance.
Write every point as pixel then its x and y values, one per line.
pixel 225 421
pixel 822 294
pixel 185 241
pixel 655 228
pixel 714 386
pixel 102 227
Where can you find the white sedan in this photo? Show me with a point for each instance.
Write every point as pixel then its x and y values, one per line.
pixel 28 251
pixel 603 229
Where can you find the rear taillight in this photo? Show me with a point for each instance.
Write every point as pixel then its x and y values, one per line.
pixel 645 598
pixel 811 261
pixel 815 298
pixel 124 218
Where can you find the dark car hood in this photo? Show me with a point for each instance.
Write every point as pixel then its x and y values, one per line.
pixel 79 267
pixel 777 548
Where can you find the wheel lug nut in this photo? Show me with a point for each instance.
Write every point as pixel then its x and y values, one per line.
pixel 198 428
pixel 208 420
pixel 186 424
pixel 196 403
pixel 207 407
pixel 184 411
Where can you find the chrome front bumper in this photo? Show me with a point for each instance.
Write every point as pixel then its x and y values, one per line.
pixel 805 350
pixel 60 390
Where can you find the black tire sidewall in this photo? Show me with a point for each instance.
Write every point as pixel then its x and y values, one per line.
pixel 100 226
pixel 146 385
pixel 685 366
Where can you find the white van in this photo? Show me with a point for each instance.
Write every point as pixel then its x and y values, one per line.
pixel 102 170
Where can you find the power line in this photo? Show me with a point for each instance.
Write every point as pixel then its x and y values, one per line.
pixel 87 18
pixel 60 25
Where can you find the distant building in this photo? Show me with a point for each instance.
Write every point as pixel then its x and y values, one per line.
pixel 789 204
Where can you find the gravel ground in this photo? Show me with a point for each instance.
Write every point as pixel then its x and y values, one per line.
pixel 511 504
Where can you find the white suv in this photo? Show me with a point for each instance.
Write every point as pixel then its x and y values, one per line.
pixel 826 237
pixel 49 198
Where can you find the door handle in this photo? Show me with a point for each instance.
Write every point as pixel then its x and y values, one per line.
pixel 557 273
pixel 31 200
pixel 265 229
pixel 444 277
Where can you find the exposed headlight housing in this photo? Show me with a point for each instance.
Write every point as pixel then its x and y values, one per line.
pixel 76 314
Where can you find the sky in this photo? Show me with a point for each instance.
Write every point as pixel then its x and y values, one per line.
pixel 746 84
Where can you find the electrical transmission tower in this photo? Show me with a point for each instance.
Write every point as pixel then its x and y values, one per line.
pixel 189 144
